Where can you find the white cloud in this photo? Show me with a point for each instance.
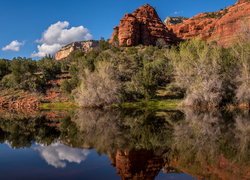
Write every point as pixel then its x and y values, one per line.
pixel 13 46
pixel 177 12
pixel 58 155
pixel 58 35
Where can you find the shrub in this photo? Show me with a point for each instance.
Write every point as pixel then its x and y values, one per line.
pixel 66 86
pixel 4 68
pixel 198 69
pixel 49 67
pixel 23 76
pixel 242 54
pixel 99 88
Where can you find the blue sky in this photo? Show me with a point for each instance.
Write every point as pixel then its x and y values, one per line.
pixel 26 20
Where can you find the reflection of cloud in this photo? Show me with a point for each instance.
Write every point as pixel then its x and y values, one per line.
pixel 58 154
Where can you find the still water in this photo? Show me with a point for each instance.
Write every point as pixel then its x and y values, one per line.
pixel 112 144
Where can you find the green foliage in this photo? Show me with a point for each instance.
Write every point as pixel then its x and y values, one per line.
pixel 99 88
pixel 137 72
pixel 67 86
pixel 49 68
pixel 4 68
pixel 204 71
pixel 241 53
pixel 208 75
pixel 103 45
pixel 22 76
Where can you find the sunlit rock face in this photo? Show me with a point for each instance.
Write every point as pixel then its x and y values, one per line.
pixel 143 26
pixel 84 46
pixel 222 27
pixel 58 155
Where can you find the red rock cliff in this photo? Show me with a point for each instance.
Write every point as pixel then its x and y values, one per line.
pixel 222 27
pixel 144 27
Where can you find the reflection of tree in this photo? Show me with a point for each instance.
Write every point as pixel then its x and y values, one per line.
pixel 109 130
pixel 196 135
pixel 22 132
pixel 207 145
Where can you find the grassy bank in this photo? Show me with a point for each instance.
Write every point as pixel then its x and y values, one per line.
pixel 57 106
pixel 149 105
pixel 152 104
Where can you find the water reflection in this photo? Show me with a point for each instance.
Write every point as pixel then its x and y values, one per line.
pixel 58 154
pixel 140 145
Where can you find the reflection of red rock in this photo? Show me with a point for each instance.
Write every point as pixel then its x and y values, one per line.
pixel 137 164
pixel 145 164
pixel 222 168
pixel 222 26
pixel 144 27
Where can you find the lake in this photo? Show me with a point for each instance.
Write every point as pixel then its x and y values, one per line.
pixel 127 144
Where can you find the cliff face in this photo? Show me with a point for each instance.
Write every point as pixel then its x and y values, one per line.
pixel 144 27
pixel 222 27
pixel 85 46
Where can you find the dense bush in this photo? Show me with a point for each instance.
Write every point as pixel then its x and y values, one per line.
pixel 99 88
pixel 128 74
pixel 49 68
pixel 4 68
pixel 22 75
pixel 204 71
pixel 242 55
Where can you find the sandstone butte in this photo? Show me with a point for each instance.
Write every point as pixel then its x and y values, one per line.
pixel 144 27
pixel 222 27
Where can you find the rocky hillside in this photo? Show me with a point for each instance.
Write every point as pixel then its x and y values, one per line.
pixel 144 27
pixel 222 27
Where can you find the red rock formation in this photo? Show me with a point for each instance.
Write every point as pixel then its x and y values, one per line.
pixel 222 27
pixel 144 27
